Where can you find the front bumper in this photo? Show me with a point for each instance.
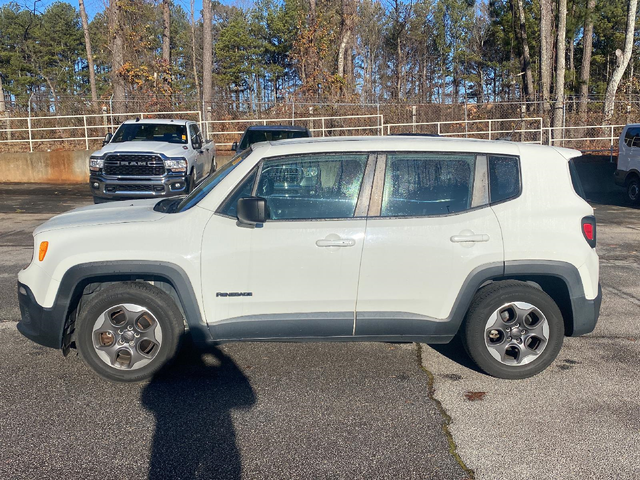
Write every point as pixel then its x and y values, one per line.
pixel 131 187
pixel 585 314
pixel 620 177
pixel 41 325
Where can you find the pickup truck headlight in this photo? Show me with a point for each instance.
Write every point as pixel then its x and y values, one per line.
pixel 176 164
pixel 96 164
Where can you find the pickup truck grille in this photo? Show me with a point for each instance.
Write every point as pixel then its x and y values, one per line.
pixel 134 188
pixel 133 165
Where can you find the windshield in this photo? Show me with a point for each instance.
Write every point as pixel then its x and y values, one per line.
pixel 255 136
pixel 151 132
pixel 210 183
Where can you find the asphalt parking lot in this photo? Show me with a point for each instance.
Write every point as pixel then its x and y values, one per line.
pixel 323 410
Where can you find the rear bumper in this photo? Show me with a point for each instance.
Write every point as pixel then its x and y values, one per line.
pixel 620 177
pixel 114 188
pixel 41 325
pixel 585 314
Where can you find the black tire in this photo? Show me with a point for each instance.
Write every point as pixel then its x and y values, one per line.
pixel 192 181
pixel 632 191
pixel 98 200
pixel 163 310
pixel 212 170
pixel 475 335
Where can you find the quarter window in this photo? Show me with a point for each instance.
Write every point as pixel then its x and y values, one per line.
pixel 423 184
pixel 504 178
pixel 312 186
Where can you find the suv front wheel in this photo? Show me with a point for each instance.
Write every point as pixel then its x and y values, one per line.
pixel 632 192
pixel 513 330
pixel 128 331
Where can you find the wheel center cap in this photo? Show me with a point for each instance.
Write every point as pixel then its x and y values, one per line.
pixel 128 336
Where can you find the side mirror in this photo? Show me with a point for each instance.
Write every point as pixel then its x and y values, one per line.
pixel 234 146
pixel 107 138
pixel 252 210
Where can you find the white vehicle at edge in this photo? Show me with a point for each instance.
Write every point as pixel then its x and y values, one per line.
pixel 150 158
pixel 345 239
pixel 627 174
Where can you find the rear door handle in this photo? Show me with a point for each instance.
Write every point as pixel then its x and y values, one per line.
pixel 342 242
pixel 470 238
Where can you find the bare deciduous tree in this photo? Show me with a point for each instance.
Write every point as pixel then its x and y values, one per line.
pixel 561 49
pixel 87 42
pixel 193 50
pixel 526 58
pixel 546 51
pixel 207 57
pixel 622 60
pixel 166 31
pixel 587 49
pixel 116 44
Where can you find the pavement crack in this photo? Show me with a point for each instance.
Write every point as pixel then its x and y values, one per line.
pixel 453 448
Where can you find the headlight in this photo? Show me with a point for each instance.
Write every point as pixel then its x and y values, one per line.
pixel 95 163
pixel 176 164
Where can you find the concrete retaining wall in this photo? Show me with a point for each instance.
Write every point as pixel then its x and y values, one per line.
pixel 596 172
pixel 45 167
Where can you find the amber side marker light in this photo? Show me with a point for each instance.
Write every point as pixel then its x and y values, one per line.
pixel 43 250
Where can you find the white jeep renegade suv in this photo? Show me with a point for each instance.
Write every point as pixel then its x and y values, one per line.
pixel 348 239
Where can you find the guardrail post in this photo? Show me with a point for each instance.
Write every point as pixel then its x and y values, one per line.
pixel 323 126
pixel 611 154
pixel 490 129
pixel 438 128
pixel 86 132
pixel 29 127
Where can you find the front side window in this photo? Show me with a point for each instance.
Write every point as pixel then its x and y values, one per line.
pixel 504 178
pixel 320 186
pixel 210 182
pixel 425 184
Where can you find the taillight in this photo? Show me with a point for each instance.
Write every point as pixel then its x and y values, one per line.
pixel 589 230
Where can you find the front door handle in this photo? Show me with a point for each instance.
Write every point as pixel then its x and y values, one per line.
pixel 470 238
pixel 340 242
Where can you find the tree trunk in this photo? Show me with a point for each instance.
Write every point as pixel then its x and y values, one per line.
pixel 546 52
pixel 193 53
pixel 346 32
pixel 87 42
pixel 116 44
pixel 587 50
pixel 558 112
pixel 166 31
pixel 622 60
pixel 526 58
pixel 207 58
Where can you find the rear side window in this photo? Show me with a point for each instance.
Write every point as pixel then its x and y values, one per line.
pixel 575 180
pixel 504 178
pixel 632 137
pixel 425 184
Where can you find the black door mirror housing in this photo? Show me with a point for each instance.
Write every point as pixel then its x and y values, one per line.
pixel 252 211
pixel 107 138
pixel 234 146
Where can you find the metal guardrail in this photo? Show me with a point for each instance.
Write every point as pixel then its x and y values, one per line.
pixel 104 122
pixel 93 127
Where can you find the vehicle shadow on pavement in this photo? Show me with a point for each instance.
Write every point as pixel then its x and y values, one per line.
pixel 454 350
pixel 192 403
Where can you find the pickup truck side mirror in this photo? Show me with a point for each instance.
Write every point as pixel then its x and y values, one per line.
pixel 107 138
pixel 252 211
pixel 234 146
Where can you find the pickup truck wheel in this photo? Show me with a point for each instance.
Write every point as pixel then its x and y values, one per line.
pixel 128 331
pixel 512 330
pixel 632 193
pixel 192 180
pixel 213 166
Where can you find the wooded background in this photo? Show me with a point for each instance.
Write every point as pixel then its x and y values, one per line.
pixel 233 62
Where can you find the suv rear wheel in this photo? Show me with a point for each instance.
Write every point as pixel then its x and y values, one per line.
pixel 513 330
pixel 128 331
